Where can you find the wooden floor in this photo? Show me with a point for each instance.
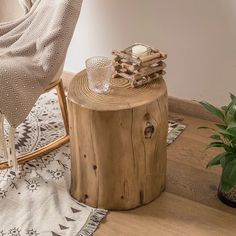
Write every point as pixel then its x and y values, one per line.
pixel 189 206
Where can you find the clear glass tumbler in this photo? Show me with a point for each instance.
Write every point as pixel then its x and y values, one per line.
pixel 99 70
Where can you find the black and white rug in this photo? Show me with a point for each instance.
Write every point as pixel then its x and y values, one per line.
pixel 35 201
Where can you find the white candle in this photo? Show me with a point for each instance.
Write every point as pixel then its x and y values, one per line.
pixel 139 50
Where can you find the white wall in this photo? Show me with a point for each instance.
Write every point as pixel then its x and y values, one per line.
pixel 198 35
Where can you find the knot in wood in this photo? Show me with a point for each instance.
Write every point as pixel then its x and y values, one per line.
pixel 149 130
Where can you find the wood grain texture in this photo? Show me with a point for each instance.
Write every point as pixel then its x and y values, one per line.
pixel 122 95
pixel 118 151
pixel 169 215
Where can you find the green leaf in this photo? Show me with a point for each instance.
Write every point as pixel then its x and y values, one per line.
pixel 225 133
pixel 233 131
pixel 229 118
pixel 215 137
pixel 233 141
pixel 216 160
pixel 228 178
pixel 229 111
pixel 212 109
pixel 232 128
pixel 234 115
pixel 229 148
pixel 216 144
pixel 221 126
pixel 232 96
pixel 224 108
pixel 231 105
pixel 227 158
pixel 231 125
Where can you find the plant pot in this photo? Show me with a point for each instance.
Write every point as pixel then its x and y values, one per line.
pixel 228 198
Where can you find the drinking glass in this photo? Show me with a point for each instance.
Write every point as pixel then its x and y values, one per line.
pixel 99 71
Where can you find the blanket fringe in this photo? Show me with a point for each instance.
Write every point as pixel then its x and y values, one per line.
pixel 7 150
pixel 12 160
pixel 3 146
pixel 93 222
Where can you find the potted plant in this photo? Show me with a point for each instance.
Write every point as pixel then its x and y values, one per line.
pixel 224 136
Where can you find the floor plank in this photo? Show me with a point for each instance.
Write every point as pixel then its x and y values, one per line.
pixel 190 148
pixel 167 216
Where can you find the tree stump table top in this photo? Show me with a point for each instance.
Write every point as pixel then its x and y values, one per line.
pixel 122 95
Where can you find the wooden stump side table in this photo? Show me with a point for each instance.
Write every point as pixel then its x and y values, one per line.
pixel 118 143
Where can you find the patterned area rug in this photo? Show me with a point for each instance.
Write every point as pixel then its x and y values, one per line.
pixel 35 201
pixel 174 130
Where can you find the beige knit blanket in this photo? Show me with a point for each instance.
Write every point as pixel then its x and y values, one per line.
pixel 27 4
pixel 32 49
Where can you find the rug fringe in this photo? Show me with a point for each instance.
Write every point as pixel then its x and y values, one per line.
pixel 173 135
pixel 93 222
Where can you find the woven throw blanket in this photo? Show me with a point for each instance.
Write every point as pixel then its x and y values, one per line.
pixel 32 49
pixel 26 4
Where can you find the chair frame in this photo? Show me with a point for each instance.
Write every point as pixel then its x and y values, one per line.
pixel 58 85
